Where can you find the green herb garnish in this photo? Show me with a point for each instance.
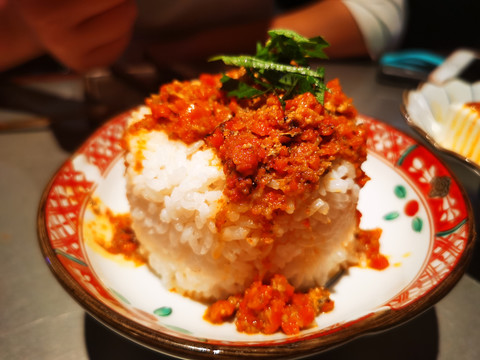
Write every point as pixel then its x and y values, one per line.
pixel 279 67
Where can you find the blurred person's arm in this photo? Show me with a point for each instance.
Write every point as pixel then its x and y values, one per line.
pixel 17 43
pixel 352 27
pixel 81 34
pixel 381 22
pixel 330 19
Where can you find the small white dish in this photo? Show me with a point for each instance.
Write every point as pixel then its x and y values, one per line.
pixel 448 117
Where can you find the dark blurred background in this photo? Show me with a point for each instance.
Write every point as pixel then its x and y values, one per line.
pixel 443 25
pixel 437 25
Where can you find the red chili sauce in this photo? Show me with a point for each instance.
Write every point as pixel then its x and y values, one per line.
pixel 268 308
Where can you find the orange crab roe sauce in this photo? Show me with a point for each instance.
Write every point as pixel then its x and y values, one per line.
pixel 268 308
pixel 123 241
pixel 271 152
pixel 368 246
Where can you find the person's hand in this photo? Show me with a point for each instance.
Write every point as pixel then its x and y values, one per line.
pixel 81 34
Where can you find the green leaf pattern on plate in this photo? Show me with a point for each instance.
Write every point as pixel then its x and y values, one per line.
pixel 400 192
pixel 120 296
pixel 179 329
pixel 417 224
pixel 163 311
pixel 391 215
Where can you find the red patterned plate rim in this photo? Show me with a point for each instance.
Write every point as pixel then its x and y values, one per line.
pixel 453 237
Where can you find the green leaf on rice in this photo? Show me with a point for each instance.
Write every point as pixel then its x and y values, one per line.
pixel 279 67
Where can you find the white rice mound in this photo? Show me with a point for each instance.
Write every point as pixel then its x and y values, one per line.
pixel 175 195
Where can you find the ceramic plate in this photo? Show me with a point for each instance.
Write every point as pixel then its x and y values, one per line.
pixel 428 237
pixel 437 113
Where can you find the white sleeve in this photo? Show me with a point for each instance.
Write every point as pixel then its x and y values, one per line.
pixel 381 22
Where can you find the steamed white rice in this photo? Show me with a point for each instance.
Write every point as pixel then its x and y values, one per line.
pixel 175 195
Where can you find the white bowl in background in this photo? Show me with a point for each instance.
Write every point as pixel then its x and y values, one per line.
pixel 447 116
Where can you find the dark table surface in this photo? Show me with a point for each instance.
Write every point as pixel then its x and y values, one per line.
pixel 38 318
